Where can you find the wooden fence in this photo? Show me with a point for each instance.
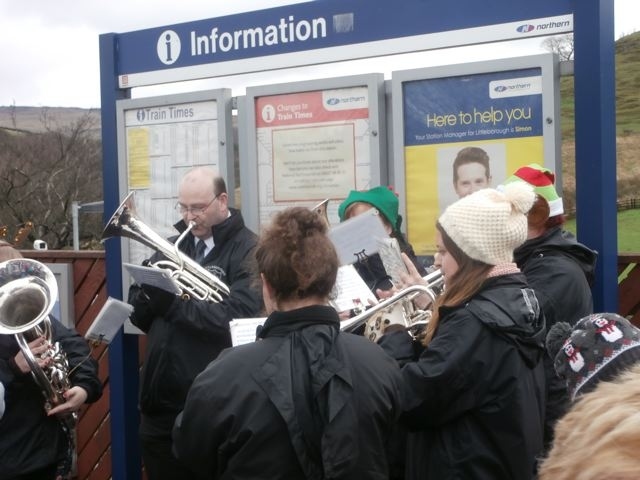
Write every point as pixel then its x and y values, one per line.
pixel 89 295
pixel 89 284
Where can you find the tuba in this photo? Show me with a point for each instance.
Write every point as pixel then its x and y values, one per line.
pixel 398 309
pixel 193 280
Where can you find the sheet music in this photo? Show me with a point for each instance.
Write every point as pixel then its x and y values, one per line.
pixel 350 291
pixel 152 276
pixel 357 236
pixel 243 330
pixel 389 252
pixel 111 317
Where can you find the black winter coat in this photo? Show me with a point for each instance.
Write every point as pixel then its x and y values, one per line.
pixel 474 399
pixel 305 402
pixel 560 270
pixel 184 336
pixel 29 439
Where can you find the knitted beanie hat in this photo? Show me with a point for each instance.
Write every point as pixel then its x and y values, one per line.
pixel 542 179
pixel 489 224
pixel 382 198
pixel 597 348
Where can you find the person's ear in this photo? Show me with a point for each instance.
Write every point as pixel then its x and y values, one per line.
pixel 539 214
pixel 268 295
pixel 223 198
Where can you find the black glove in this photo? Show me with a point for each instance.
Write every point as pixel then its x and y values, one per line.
pixel 159 300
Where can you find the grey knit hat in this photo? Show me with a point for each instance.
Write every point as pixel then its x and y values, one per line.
pixel 597 348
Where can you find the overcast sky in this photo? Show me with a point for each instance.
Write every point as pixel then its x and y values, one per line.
pixel 49 48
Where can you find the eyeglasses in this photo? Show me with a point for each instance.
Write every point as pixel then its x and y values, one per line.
pixel 196 210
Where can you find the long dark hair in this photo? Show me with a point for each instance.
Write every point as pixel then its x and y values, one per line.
pixel 463 285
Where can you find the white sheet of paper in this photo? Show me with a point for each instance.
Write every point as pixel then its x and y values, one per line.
pixel 350 291
pixel 111 317
pixel 243 330
pixel 152 276
pixel 357 236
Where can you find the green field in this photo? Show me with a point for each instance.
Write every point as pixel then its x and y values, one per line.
pixel 628 230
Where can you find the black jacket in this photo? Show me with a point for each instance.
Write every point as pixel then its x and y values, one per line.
pixel 29 439
pixel 474 399
pixel 305 402
pixel 560 270
pixel 184 336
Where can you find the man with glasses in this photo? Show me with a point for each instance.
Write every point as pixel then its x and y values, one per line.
pixel 184 336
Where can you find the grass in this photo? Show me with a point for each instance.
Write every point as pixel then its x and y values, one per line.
pixel 627 99
pixel 628 230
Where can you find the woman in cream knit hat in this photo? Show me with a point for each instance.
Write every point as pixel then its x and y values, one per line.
pixel 474 397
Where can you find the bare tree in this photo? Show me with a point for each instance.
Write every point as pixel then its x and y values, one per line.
pixel 562 45
pixel 42 173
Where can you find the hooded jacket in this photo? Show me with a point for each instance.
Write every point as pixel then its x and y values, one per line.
pixel 184 336
pixel 29 439
pixel 560 270
pixel 474 399
pixel 305 402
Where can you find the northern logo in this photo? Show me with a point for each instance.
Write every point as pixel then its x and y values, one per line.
pixel 333 101
pixel 526 28
pixel 500 88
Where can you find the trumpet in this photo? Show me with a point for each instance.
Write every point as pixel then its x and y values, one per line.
pixel 398 309
pixel 193 280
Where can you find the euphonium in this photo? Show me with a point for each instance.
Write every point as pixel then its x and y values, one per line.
pixel 194 280
pixel 398 309
pixel 28 291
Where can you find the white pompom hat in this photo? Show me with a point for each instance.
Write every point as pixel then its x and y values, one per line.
pixel 489 224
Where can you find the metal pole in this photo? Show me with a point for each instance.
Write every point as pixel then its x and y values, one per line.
pixel 76 234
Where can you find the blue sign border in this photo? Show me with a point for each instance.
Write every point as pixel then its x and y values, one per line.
pixel 346 23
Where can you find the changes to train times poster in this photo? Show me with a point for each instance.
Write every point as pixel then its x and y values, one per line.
pixel 462 133
pixel 311 146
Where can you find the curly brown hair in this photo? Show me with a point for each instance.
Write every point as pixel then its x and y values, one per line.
pixel 296 256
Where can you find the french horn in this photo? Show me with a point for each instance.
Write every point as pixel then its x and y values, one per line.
pixel 193 280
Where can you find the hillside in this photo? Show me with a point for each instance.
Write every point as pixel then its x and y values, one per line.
pixel 34 119
pixel 627 123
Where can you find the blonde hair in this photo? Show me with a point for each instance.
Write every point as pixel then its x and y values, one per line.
pixel 599 438
pixel 8 252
